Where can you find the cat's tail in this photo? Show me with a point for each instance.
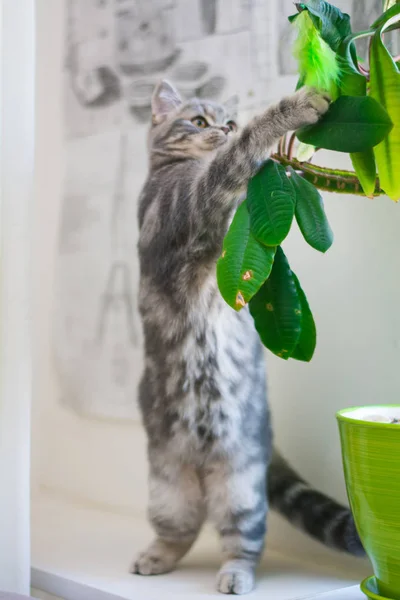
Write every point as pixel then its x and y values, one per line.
pixel 313 512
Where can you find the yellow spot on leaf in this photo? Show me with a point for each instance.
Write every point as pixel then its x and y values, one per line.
pixel 297 311
pixel 284 351
pixel 223 254
pixel 248 275
pixel 240 300
pixel 269 307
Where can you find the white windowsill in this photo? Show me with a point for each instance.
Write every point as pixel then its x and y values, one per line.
pixel 81 553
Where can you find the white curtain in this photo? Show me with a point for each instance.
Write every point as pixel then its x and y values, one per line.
pixel 16 160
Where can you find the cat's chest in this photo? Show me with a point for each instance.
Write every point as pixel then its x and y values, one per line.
pixel 214 359
pixel 213 352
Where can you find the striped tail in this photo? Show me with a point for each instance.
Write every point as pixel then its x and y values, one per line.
pixel 313 512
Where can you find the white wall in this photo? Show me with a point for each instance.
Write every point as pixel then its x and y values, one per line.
pixel 354 292
pixel 48 181
pixel 16 161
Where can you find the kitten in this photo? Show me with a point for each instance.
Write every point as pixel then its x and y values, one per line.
pixel 203 393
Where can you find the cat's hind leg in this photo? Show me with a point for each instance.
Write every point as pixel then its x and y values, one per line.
pixel 176 511
pixel 237 504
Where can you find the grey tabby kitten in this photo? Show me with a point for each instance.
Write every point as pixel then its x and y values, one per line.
pixel 203 393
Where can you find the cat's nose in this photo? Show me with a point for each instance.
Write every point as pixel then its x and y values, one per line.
pixel 225 129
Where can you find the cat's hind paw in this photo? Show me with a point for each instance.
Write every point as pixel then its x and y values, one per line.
pixel 151 563
pixel 236 577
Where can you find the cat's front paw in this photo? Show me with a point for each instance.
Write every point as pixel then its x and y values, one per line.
pixel 305 107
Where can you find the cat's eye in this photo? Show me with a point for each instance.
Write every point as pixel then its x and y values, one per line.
pixel 232 125
pixel 200 122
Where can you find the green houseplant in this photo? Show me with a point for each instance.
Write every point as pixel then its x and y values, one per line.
pixel 363 121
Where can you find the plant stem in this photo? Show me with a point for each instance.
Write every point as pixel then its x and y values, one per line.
pixel 291 145
pixel 282 145
pixel 329 180
pixel 363 71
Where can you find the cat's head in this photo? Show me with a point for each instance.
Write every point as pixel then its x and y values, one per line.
pixel 193 128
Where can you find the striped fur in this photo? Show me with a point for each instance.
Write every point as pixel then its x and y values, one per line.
pixel 321 517
pixel 203 392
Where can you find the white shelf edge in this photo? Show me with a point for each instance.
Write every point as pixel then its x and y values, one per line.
pixel 80 553
pixel 67 589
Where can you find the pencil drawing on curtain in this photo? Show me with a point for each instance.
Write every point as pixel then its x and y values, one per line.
pixel 115 51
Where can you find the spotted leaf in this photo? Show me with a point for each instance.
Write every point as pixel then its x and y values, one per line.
pixel 244 264
pixel 276 309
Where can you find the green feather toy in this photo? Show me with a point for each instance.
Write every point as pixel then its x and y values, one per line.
pixel 317 62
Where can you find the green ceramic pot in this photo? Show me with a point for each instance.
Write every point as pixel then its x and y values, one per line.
pixel 371 461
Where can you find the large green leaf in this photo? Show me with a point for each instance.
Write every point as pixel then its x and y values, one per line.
pixel 364 161
pixel 352 83
pixel 332 24
pixel 351 124
pixel 270 200
pixel 305 347
pixel 365 168
pixel 385 87
pixel 310 214
pixel 276 309
pixel 244 264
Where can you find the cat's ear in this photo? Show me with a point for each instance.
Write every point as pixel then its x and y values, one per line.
pixel 165 99
pixel 232 107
